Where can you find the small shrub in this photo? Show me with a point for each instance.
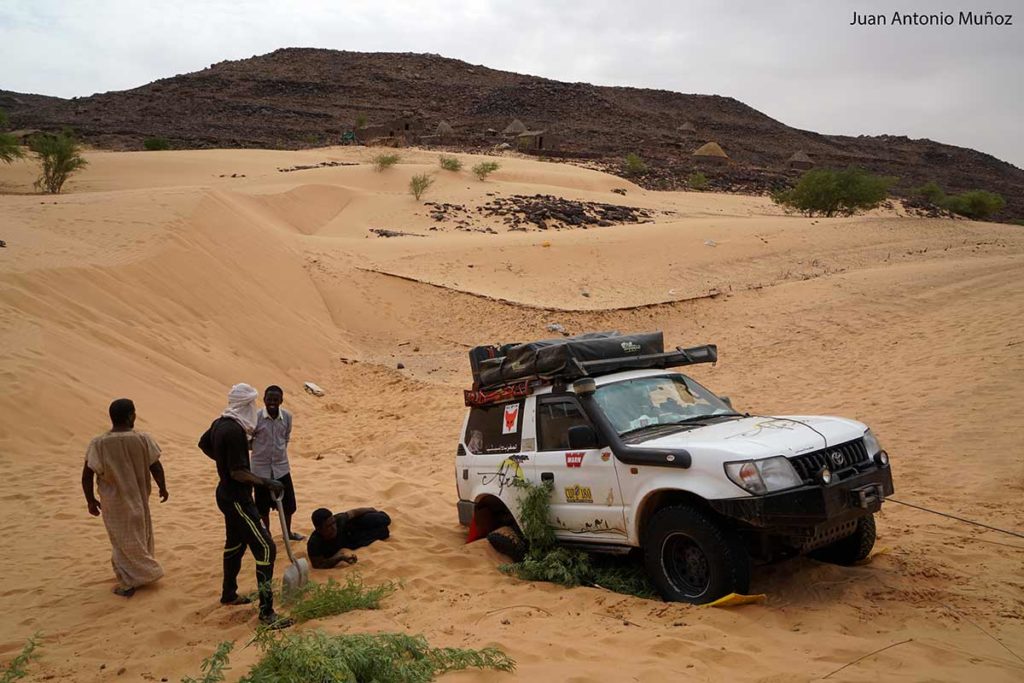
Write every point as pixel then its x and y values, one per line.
pixel 360 121
pixel 384 161
pixel 634 165
pixel 451 163
pixel 156 144
pixel 829 192
pixel 419 184
pixel 351 657
pixel 213 667
pixel 547 561
pixel 975 204
pixel 697 181
pixel 60 157
pixel 9 147
pixel 930 192
pixel 484 169
pixel 1017 221
pixel 16 668
pixel 316 600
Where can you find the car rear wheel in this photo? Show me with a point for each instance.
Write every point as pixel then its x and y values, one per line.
pixel 853 548
pixel 691 557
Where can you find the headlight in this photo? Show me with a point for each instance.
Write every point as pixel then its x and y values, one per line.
pixel 763 476
pixel 871 443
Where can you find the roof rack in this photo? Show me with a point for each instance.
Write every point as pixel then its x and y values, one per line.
pixel 575 369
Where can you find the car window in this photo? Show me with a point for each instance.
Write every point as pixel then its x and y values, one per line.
pixel 494 428
pixel 553 421
pixel 664 399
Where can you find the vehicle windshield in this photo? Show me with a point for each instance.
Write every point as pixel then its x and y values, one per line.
pixel 633 404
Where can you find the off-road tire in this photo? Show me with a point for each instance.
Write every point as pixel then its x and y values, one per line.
pixel 722 561
pixel 509 542
pixel 853 548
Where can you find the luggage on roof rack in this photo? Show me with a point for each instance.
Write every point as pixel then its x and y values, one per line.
pixel 555 357
pixel 512 390
pixel 570 358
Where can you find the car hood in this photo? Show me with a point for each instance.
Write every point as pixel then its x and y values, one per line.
pixel 762 437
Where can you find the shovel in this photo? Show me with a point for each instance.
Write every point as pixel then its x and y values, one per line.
pixel 297 575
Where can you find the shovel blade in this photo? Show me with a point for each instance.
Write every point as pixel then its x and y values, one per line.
pixel 295 577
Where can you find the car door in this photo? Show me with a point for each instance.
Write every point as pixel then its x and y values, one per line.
pixel 586 503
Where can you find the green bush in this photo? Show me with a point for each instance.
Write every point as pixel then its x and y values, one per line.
pixel 697 181
pixel 547 561
pixel 9 147
pixel 451 163
pixel 975 204
pixel 484 169
pixel 419 184
pixel 156 144
pixel 360 121
pixel 355 657
pixel 384 161
pixel 634 165
pixel 930 192
pixel 829 192
pixel 60 157
pixel 316 600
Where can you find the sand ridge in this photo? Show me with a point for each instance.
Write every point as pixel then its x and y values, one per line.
pixel 162 278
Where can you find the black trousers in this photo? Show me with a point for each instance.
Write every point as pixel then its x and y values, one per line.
pixel 264 503
pixel 365 529
pixel 244 529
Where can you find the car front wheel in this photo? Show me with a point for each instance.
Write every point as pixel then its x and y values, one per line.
pixel 691 557
pixel 853 548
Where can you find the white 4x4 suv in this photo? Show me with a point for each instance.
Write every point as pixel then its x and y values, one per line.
pixel 642 456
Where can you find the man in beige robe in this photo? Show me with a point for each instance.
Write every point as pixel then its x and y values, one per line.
pixel 122 461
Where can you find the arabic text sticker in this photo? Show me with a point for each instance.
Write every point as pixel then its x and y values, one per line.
pixel 511 423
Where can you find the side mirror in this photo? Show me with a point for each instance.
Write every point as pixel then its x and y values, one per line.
pixel 582 437
pixel 584 386
pixel 726 400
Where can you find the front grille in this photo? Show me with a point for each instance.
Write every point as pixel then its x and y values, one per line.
pixel 854 458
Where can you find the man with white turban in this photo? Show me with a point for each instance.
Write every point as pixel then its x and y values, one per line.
pixel 227 442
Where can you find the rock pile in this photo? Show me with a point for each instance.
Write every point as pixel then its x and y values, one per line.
pixel 322 164
pixel 549 212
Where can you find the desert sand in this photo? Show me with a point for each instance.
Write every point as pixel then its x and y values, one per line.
pixel 160 277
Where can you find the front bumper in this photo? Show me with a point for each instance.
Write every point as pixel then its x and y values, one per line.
pixel 807 509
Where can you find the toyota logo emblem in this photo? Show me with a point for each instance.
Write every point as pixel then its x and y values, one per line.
pixel 837 457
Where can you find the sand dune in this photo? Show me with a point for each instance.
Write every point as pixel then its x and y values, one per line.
pixel 162 278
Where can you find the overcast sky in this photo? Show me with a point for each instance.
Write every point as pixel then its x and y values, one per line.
pixel 799 62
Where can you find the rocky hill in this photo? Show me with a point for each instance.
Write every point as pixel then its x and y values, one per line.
pixel 306 97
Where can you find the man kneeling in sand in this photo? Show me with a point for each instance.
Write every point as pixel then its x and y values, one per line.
pixel 123 460
pixel 336 534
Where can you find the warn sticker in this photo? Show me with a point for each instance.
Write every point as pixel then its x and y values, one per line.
pixel 578 494
pixel 574 459
pixel 511 423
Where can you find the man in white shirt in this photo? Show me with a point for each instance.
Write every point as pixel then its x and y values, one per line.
pixel 270 456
